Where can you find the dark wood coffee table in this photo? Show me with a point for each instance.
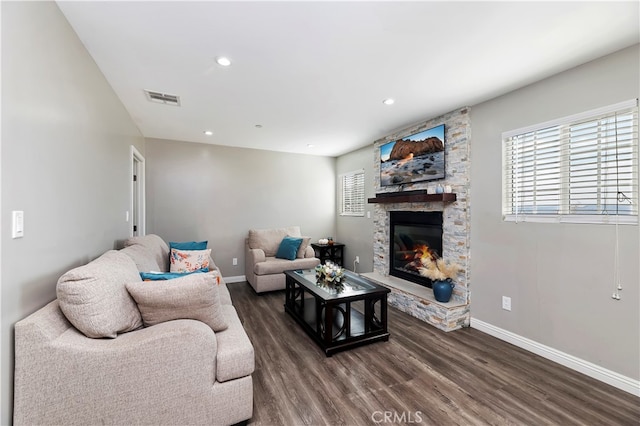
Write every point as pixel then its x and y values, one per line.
pixel 340 319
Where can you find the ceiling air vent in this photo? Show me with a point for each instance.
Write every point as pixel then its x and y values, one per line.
pixel 162 98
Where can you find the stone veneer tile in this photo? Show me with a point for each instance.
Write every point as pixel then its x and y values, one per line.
pixel 456 220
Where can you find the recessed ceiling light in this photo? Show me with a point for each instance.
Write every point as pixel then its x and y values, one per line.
pixel 224 61
pixel 208 132
pixel 388 101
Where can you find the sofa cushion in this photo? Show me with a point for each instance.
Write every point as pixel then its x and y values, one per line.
pixel 194 296
pixel 273 265
pixel 188 245
pixel 156 245
pixel 189 260
pixel 268 240
pixel 303 247
pixel 288 248
pixel 94 298
pixel 142 257
pixel 235 357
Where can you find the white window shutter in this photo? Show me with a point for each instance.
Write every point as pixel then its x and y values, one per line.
pixel 352 202
pixel 582 168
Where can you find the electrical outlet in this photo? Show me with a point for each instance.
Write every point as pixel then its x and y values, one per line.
pixel 235 261
pixel 357 259
pixel 506 303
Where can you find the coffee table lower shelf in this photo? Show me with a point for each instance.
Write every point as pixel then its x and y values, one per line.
pixel 352 321
pixel 340 340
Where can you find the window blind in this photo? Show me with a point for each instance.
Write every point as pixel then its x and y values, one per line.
pixel 582 168
pixel 352 193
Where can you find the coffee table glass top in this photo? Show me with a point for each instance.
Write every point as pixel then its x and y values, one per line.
pixel 351 285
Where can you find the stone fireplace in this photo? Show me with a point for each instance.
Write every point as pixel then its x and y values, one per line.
pixel 406 294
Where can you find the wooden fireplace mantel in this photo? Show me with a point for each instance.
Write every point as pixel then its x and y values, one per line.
pixel 416 196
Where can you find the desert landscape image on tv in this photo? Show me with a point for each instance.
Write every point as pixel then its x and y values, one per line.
pixel 413 158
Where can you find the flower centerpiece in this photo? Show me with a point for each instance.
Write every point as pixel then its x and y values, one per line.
pixel 441 273
pixel 329 273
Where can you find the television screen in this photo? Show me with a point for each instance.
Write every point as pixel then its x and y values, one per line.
pixel 413 158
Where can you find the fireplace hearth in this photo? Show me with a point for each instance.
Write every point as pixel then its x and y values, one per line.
pixel 413 236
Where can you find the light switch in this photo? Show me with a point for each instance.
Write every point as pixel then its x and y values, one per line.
pixel 17 230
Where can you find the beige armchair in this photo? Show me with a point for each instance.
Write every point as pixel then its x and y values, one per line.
pixel 263 270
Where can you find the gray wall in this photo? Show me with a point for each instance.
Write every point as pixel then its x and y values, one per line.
pixel 357 232
pixel 200 191
pixel 559 276
pixel 65 162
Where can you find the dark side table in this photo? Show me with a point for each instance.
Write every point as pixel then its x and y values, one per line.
pixel 333 252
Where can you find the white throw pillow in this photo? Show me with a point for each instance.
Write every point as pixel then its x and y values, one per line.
pixel 94 298
pixel 303 247
pixel 194 296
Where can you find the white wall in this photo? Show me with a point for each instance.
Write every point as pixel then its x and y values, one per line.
pixel 559 276
pixel 65 162
pixel 357 232
pixel 217 193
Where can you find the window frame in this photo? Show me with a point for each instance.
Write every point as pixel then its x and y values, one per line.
pixel 357 207
pixel 562 190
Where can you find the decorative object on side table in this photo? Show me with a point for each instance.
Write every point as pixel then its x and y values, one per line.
pixel 329 273
pixel 442 274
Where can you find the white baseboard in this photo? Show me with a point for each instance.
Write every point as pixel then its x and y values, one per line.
pixel 236 279
pixel 612 378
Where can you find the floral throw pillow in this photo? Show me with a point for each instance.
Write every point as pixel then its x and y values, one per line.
pixel 188 260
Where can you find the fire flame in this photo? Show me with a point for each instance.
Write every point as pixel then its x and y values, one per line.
pixel 423 252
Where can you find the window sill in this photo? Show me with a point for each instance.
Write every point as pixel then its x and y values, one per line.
pixel 592 219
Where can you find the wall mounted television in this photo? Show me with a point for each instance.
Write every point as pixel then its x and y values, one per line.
pixel 414 158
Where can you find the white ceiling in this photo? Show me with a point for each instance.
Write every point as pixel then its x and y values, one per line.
pixel 317 72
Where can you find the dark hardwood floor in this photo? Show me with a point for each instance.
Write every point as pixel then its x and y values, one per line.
pixel 420 376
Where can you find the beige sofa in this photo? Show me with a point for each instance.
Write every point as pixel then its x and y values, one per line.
pixel 263 270
pixel 173 372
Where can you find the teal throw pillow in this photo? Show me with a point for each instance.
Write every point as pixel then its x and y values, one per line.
pixel 288 248
pixel 188 245
pixel 161 276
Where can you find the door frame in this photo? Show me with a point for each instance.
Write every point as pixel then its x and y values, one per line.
pixel 137 159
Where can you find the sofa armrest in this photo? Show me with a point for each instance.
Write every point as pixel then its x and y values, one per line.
pixel 256 256
pixel 148 368
pixel 253 256
pixel 309 252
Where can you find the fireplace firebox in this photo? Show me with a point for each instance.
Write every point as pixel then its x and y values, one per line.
pixel 413 235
